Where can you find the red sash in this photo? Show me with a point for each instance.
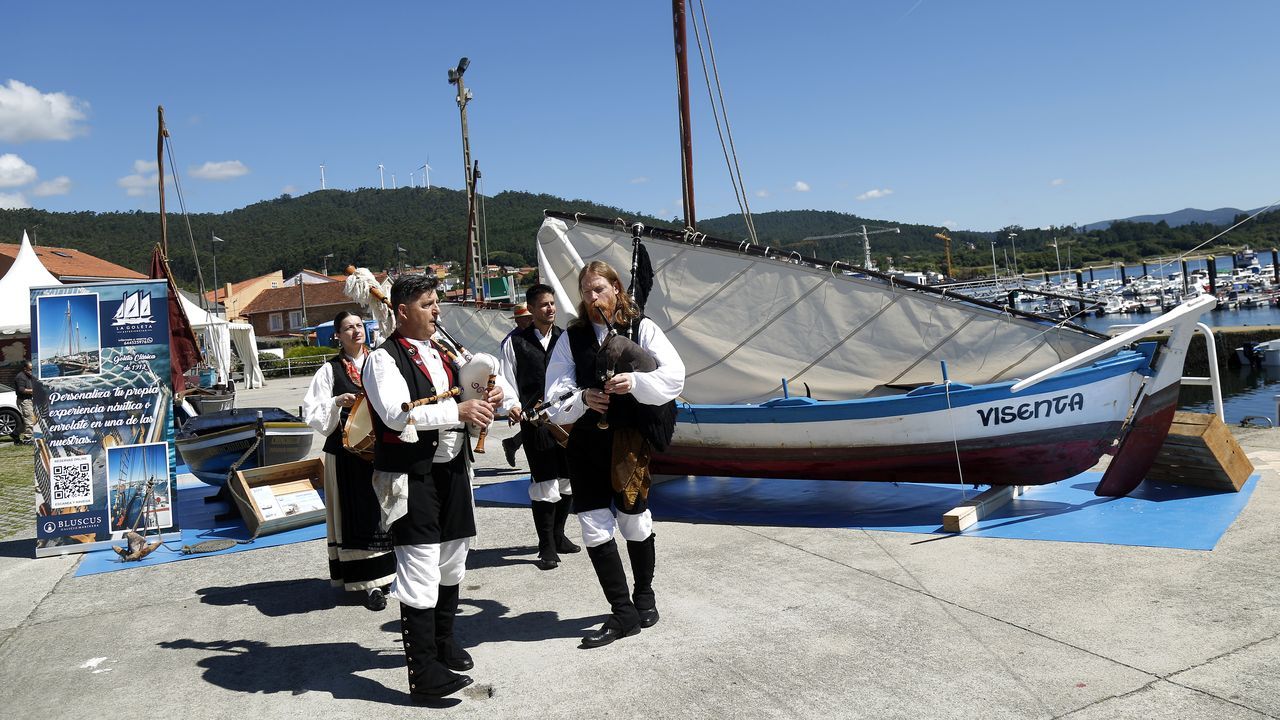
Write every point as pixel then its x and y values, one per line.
pixel 416 356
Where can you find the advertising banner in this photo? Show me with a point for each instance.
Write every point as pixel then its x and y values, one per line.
pixel 104 459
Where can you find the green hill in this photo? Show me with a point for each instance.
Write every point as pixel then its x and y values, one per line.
pixel 363 227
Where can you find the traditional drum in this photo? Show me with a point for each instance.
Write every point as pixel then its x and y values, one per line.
pixel 357 433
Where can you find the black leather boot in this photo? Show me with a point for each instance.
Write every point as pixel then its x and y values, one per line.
pixel 563 543
pixel 448 651
pixel 643 559
pixel 624 621
pixel 429 679
pixel 509 448
pixel 544 518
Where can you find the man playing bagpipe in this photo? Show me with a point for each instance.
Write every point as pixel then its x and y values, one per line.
pixel 423 478
pixel 525 353
pixel 622 376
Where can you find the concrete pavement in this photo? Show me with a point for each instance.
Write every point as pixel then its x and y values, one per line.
pixel 756 622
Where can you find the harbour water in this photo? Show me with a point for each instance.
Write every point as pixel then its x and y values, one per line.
pixel 1246 391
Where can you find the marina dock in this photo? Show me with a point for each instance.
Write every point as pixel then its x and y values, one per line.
pixel 757 621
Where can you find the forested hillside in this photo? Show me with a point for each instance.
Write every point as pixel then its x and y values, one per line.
pixel 363 227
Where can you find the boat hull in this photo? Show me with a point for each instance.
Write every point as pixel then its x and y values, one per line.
pixel 984 434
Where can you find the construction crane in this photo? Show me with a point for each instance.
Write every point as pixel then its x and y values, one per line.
pixel 866 244
pixel 946 243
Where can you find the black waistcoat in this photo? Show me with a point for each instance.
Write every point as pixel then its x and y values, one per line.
pixel 531 363
pixel 390 454
pixel 342 384
pixel 655 422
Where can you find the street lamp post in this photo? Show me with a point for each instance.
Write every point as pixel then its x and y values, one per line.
pixel 213 245
pixel 1013 239
pixel 302 290
pixel 325 258
pixel 995 270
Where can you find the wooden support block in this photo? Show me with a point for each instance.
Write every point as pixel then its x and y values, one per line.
pixel 970 512
pixel 1201 451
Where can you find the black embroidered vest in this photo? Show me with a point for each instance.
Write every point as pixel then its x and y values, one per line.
pixel 342 384
pixel 390 454
pixel 655 422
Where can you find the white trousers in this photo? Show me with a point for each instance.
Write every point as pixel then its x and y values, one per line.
pixel 598 526
pixel 422 569
pixel 549 490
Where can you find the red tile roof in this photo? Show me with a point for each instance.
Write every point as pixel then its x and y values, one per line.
pixel 290 298
pixel 68 262
pixel 236 288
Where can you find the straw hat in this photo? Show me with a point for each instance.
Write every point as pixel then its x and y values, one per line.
pixel 521 310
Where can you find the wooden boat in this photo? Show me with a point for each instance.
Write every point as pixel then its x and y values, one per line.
pixel 210 444
pixel 750 326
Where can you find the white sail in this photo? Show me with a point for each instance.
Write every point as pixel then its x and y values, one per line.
pixel 743 322
pixel 144 305
pixel 478 329
pixel 130 306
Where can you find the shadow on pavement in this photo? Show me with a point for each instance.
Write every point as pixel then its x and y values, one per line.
pixel 253 666
pixel 493 623
pixel 501 557
pixel 18 548
pixel 279 597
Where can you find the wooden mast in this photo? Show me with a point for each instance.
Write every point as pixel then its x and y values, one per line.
pixel 686 140
pixel 161 134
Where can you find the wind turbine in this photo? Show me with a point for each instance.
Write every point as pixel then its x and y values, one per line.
pixel 393 181
pixel 322 176
pixel 382 180
pixel 426 172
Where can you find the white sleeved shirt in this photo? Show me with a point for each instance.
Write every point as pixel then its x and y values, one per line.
pixel 387 390
pixel 652 388
pixel 318 407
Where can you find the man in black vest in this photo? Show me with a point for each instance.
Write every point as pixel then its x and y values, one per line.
pixel 422 475
pixel 525 353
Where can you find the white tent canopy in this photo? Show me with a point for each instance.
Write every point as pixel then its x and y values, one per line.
pixel 15 289
pixel 218 337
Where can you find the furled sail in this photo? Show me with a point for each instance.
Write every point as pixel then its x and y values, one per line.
pixel 743 319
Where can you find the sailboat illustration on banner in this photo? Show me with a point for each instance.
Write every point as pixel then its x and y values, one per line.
pixel 135 308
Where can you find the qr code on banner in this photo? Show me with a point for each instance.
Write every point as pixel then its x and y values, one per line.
pixel 72 480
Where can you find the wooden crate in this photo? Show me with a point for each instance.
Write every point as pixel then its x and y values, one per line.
pixel 1200 450
pixel 290 486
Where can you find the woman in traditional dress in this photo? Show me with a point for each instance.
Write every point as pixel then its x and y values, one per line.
pixel 360 551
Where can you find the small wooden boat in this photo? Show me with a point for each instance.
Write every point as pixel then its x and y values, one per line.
pixel 210 444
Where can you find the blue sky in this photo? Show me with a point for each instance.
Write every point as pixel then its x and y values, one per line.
pixel 975 115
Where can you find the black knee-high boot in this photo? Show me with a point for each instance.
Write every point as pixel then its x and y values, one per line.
pixel 643 559
pixel 448 651
pixel 428 678
pixel 624 620
pixel 563 543
pixel 544 519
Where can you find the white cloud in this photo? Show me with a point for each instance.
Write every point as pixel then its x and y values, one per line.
pixel 874 194
pixel 144 179
pixel 800 186
pixel 137 185
pixel 27 114
pixel 60 185
pixel 13 201
pixel 638 180
pixel 289 190
pixel 15 171
pixel 225 170
pixel 762 193
pixel 949 224
pixel 1057 182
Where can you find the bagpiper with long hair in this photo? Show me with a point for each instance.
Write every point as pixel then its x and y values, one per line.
pixel 615 417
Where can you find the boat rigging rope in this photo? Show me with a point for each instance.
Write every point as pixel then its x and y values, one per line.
pixel 182 204
pixel 718 109
pixel 1215 237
